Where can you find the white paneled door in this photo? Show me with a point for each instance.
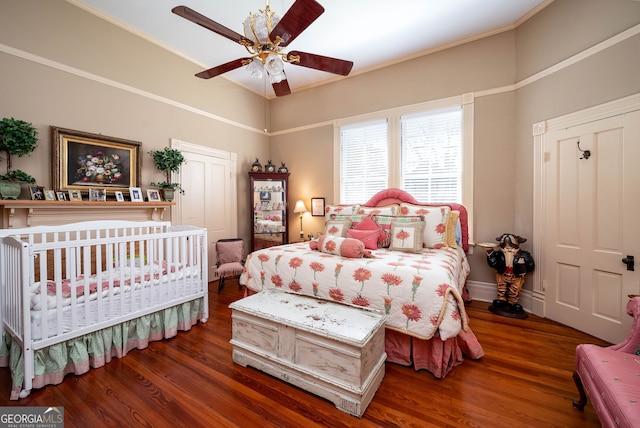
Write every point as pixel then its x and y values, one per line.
pixel 591 224
pixel 209 180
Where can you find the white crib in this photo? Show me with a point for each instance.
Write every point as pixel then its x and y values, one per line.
pixel 58 283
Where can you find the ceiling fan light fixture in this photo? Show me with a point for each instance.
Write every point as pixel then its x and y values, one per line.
pixel 258 26
pixel 275 68
pixel 266 35
pixel 256 68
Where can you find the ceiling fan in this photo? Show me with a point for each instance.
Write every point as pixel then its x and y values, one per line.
pixel 265 37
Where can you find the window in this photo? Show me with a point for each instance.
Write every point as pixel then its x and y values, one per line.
pixel 363 160
pixel 431 155
pixel 424 149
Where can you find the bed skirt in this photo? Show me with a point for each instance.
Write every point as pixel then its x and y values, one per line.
pixel 434 355
pixel 94 350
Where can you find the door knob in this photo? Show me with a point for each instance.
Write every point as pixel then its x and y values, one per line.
pixel 629 261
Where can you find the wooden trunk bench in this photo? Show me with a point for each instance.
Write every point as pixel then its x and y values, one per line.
pixel 332 350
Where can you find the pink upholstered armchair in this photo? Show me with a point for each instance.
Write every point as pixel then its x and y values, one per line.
pixel 229 259
pixel 611 376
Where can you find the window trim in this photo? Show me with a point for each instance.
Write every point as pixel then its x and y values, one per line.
pixel 393 117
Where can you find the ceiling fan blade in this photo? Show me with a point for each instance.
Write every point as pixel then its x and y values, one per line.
pixel 203 21
pixel 323 63
pixel 299 16
pixel 282 88
pixel 216 71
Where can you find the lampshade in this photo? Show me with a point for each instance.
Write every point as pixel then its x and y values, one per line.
pixel 300 207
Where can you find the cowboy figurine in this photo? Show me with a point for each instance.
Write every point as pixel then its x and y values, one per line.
pixel 511 265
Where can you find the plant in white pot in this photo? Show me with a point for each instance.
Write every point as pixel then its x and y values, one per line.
pixel 168 160
pixel 17 137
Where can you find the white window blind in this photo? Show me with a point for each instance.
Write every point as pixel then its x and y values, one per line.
pixel 431 155
pixel 363 161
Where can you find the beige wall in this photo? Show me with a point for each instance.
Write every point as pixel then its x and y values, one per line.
pixel 157 85
pixel 148 95
pixel 504 117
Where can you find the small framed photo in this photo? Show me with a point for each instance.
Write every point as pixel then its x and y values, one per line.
pixel 119 196
pixel 265 196
pixel 62 196
pixel 98 195
pixel 153 195
pixel 317 207
pixel 75 195
pixel 37 193
pixel 136 194
pixel 49 195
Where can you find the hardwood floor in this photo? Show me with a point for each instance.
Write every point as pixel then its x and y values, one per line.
pixel 524 380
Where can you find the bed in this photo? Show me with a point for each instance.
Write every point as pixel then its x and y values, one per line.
pixel 420 287
pixel 75 296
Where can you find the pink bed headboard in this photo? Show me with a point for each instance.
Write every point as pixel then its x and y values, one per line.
pixel 396 196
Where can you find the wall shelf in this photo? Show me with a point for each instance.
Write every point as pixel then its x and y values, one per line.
pixel 28 213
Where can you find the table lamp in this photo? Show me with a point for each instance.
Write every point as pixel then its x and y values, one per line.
pixel 300 208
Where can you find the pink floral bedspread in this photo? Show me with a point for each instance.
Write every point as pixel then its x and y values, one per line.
pixel 420 293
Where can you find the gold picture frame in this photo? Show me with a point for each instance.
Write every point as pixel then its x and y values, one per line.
pixel 37 193
pixel 49 195
pixel 82 160
pixel 153 195
pixel 75 195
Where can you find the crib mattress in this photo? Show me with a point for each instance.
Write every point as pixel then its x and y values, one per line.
pixel 108 300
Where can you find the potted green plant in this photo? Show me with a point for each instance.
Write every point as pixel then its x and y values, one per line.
pixel 168 160
pixel 17 137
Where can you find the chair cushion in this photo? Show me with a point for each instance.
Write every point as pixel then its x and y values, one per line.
pixel 228 252
pixel 230 269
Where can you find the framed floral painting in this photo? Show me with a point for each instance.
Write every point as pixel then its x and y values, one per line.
pixel 82 160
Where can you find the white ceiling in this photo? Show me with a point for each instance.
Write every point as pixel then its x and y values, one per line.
pixel 371 33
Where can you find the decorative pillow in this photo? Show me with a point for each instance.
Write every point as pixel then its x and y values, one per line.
pixel 368 223
pixel 392 209
pixel 334 210
pixel 337 227
pixel 410 209
pixel 339 246
pixel 368 237
pixel 384 221
pixel 450 233
pixel 435 218
pixel 355 219
pixel 406 236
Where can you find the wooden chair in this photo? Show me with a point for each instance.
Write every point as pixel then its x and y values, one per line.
pixel 229 259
